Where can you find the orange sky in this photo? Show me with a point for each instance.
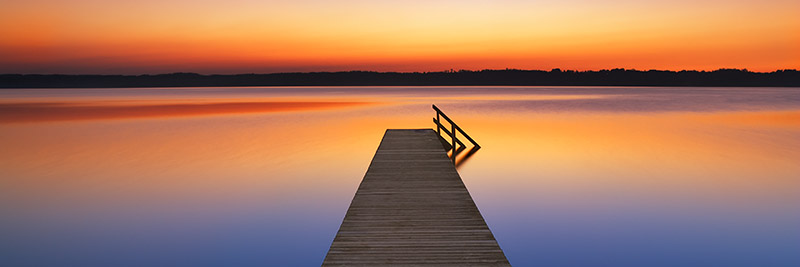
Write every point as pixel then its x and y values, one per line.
pixel 238 36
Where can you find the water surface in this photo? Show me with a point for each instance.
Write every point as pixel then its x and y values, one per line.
pixel 567 176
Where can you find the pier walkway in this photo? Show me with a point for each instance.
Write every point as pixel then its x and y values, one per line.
pixel 412 208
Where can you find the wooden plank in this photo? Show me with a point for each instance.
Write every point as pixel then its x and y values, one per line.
pixel 412 208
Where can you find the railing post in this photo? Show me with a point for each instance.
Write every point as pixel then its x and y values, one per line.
pixel 453 131
pixel 438 124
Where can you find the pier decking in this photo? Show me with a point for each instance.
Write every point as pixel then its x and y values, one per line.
pixel 412 208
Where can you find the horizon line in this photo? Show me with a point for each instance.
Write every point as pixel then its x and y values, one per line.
pixel 412 72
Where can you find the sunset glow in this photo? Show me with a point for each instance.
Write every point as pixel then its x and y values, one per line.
pixel 245 36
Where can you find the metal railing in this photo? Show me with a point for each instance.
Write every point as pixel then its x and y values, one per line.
pixel 452 133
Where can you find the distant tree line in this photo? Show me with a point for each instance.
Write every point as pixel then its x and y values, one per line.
pixel 555 77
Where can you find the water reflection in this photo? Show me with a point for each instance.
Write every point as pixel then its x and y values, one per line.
pixel 95 110
pixel 565 176
pixel 460 160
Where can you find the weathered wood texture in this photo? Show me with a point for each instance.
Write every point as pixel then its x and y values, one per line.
pixel 413 209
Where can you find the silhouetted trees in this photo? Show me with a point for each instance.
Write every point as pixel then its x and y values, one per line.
pixel 614 77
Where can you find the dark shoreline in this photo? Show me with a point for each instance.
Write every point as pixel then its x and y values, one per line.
pixel 509 77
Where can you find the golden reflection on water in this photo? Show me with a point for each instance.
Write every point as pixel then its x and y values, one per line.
pixel 740 157
pixel 106 110
pixel 212 157
pixel 203 160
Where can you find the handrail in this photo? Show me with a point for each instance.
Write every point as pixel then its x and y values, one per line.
pixel 439 111
pixel 442 128
pixel 452 132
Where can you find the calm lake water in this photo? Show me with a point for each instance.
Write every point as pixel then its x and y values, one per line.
pixel 567 176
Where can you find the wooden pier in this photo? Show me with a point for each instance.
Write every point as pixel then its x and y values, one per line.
pixel 412 208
